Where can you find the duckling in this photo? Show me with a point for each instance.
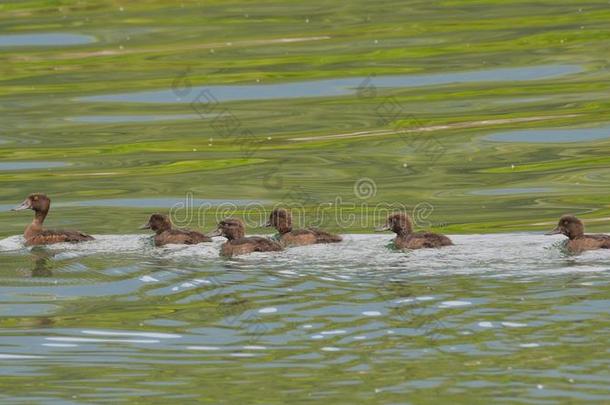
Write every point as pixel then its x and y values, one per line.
pixel 400 223
pixel 165 233
pixel 35 234
pixel 238 243
pixel 281 220
pixel 574 229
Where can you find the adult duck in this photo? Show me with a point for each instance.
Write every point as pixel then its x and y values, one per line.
pixel 35 234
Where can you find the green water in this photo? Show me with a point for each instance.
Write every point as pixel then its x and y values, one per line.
pixel 503 316
pixel 454 58
pixel 490 116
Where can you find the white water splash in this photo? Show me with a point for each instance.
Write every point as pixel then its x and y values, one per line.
pixel 157 335
pixel 500 255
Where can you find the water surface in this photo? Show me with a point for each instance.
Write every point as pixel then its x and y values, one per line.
pixel 44 39
pixel 557 135
pixel 114 119
pixel 387 324
pixel 158 202
pixel 12 166
pixel 503 318
pixel 512 191
pixel 335 87
pixel 165 203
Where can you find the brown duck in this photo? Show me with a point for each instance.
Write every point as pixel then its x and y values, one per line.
pixel 400 224
pixel 281 220
pixel 165 233
pixel 574 229
pixel 35 234
pixel 238 244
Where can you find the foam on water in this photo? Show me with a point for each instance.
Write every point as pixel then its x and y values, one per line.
pixel 156 335
pixel 269 310
pixel 11 244
pixel 99 340
pixel 495 255
pixel 4 356
pixel 204 348
pixel 116 245
pixel 454 304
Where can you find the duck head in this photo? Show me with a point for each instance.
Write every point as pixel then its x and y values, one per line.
pixel 37 202
pixel 158 223
pixel 230 228
pixel 569 226
pixel 398 222
pixel 281 220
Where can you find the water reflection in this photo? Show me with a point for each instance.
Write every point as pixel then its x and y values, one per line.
pixel 180 204
pixel 118 119
pixel 158 202
pixel 337 87
pixel 513 191
pixel 44 39
pixel 556 135
pixel 41 259
pixel 490 302
pixel 11 166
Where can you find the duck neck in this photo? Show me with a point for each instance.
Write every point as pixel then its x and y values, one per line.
pixel 36 225
pixel 283 228
pixel 402 233
pixel 159 231
pixel 235 234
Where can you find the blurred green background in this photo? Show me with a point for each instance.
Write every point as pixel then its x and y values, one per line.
pixel 441 138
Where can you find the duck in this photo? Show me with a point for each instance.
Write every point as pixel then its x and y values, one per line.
pixel 401 225
pixel 166 234
pixel 281 220
pixel 35 234
pixel 578 241
pixel 237 243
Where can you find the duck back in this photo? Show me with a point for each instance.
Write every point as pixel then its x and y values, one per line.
pixel 300 237
pixel 48 237
pixel 309 236
pixel 248 245
pixel 589 242
pixel 180 237
pixel 422 240
pixel 325 237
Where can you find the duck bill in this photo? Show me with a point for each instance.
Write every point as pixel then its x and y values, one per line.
pixel 216 232
pixel 382 228
pixel 555 231
pixel 26 205
pixel 265 224
pixel 145 226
